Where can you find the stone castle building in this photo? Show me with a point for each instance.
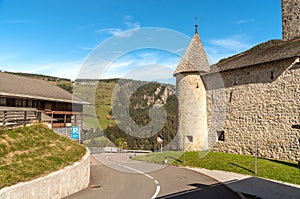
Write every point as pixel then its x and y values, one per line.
pixel 252 97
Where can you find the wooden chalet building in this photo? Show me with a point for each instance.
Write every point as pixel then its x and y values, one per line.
pixel 23 92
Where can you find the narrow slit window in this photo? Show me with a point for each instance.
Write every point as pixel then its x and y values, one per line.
pixel 272 75
pixel 230 96
pixel 221 135
pixel 234 81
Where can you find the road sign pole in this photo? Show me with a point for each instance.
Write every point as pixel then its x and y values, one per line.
pixel 255 158
pixel 183 149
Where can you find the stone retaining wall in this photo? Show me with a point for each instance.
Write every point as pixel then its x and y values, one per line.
pixel 58 184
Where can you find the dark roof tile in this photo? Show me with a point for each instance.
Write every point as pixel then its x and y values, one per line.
pixel 13 85
pixel 194 58
pixel 284 50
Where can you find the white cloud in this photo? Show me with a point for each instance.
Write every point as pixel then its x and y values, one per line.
pixel 244 21
pixel 58 69
pixel 129 25
pixel 87 48
pixel 234 44
pixel 151 72
pixel 225 47
pixel 144 65
pixel 214 56
pixel 110 31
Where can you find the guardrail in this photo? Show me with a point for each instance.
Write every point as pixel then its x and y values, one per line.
pixel 136 151
pixel 95 150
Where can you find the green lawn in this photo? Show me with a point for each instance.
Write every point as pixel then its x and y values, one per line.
pixel 267 168
pixel 30 152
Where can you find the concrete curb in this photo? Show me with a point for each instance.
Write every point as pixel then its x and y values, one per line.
pixel 57 184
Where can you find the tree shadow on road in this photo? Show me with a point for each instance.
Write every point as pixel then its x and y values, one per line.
pixel 203 191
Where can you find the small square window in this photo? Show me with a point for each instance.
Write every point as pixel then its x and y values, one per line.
pixel 221 135
pixel 189 138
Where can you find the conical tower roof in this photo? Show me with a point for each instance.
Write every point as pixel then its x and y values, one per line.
pixel 194 58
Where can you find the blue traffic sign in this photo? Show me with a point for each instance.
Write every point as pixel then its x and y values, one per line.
pixel 75 133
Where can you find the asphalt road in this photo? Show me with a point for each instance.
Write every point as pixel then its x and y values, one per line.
pixel 117 176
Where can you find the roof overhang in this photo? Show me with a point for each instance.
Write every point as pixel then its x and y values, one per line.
pixel 44 98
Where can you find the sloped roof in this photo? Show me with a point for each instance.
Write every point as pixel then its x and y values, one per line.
pixel 194 58
pixel 17 86
pixel 284 50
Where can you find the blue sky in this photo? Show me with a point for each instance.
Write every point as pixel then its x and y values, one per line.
pixel 56 37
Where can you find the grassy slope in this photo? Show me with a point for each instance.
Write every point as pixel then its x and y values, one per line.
pixel 267 168
pixel 102 101
pixel 30 152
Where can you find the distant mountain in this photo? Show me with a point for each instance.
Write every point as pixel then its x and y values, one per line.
pixel 139 97
pixel 41 77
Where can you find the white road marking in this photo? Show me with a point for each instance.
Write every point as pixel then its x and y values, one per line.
pixel 141 172
pixel 156 192
pixel 148 176
pixel 133 169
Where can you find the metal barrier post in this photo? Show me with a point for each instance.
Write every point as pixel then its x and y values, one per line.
pixel 4 118
pixel 39 116
pixel 25 118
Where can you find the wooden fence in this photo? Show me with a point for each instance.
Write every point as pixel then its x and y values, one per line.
pixel 16 116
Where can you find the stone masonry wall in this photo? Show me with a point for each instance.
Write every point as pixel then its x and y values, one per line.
pixel 192 119
pixel 290 19
pixel 261 104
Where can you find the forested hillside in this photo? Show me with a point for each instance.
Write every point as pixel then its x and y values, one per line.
pixel 132 100
pixel 139 98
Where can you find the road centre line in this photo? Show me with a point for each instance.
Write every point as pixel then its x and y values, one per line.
pixel 140 172
pixel 156 192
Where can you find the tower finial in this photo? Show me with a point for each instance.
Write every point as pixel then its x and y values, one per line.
pixel 196 25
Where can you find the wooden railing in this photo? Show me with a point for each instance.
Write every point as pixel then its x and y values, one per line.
pixel 16 116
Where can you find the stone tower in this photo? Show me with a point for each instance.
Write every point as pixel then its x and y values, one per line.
pixel 191 94
pixel 290 19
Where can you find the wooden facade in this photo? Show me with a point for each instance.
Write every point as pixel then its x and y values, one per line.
pixel 23 92
pixel 65 113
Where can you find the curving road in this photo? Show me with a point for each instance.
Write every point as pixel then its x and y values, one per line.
pixel 117 176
